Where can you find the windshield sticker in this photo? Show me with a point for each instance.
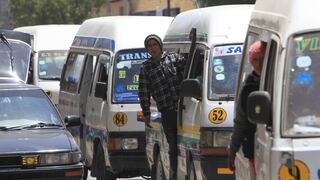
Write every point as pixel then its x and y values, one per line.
pixel 42 73
pixel 217 115
pixel 124 64
pixel 303 61
pixel 132 87
pixel 134 56
pixel 227 50
pixel 218 69
pixel 136 78
pixel 120 119
pixel 220 77
pixel 310 44
pixel 304 79
pixel 299 171
pixel 120 88
pixel 122 74
pixel 42 62
pixel 217 62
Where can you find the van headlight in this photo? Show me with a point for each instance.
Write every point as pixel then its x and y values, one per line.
pixel 129 143
pixel 210 138
pixel 60 158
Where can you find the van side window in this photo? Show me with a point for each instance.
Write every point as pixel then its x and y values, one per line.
pixel 245 67
pixel 72 73
pixel 197 64
pixel 270 69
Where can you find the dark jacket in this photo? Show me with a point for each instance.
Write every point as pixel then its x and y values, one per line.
pixel 244 131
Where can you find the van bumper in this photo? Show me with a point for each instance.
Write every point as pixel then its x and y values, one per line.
pixel 129 164
pixel 216 167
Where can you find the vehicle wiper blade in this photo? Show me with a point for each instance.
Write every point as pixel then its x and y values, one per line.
pixel 6 42
pixel 51 78
pixel 3 128
pixel 41 124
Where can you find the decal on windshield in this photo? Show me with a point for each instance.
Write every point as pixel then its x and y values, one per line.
pixel 227 50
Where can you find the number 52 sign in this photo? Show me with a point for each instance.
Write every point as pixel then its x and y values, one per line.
pixel 217 115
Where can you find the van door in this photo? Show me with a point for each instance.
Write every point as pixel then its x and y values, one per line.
pixel 95 128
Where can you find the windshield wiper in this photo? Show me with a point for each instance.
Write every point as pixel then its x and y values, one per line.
pixel 51 78
pixel 42 124
pixel 38 125
pixel 3 128
pixel 6 42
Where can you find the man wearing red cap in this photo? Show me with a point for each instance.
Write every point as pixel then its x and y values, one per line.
pixel 244 131
pixel 159 78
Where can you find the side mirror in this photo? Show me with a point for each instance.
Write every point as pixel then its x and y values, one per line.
pixel 101 89
pixel 191 88
pixel 259 107
pixel 72 120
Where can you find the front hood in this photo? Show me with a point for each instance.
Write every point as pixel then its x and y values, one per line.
pixel 38 140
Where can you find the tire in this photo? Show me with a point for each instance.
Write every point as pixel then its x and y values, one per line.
pixel 157 172
pixel 100 163
pixel 85 172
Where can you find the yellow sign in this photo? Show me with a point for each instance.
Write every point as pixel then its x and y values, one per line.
pixel 299 171
pixel 217 115
pixel 120 119
pixel 122 74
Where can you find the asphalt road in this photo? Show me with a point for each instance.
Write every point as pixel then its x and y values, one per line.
pixel 134 178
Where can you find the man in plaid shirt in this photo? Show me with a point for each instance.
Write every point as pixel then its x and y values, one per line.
pixel 159 78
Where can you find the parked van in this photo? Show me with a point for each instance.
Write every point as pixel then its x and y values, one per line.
pixel 15 55
pixel 286 109
pixel 205 114
pixel 100 85
pixel 50 44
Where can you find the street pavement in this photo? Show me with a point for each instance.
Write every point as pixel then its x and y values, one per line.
pixel 134 178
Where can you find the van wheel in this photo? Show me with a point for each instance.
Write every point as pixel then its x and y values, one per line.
pixel 191 173
pixel 157 172
pixel 85 172
pixel 100 164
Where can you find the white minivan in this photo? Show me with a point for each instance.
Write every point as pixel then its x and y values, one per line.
pixel 205 113
pixel 99 85
pixel 286 108
pixel 50 44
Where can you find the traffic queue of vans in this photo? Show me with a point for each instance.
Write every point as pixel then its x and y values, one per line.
pixel 99 88
pixel 207 92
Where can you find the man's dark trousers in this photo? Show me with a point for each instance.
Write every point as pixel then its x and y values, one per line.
pixel 169 123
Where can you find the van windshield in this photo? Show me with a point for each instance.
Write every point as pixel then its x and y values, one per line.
pixel 20 56
pixel 223 70
pixel 126 75
pixel 50 64
pixel 302 90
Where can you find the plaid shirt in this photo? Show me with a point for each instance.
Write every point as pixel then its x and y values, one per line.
pixel 161 80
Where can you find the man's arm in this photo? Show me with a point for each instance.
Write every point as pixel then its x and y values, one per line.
pixel 144 92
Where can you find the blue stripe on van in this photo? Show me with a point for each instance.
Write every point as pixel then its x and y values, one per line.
pixel 93 42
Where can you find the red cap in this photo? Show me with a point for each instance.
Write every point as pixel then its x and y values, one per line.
pixel 257 51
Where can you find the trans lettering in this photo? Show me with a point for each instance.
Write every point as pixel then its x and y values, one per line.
pixel 234 50
pixel 134 56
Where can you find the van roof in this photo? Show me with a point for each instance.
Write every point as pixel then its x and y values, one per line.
pixel 120 32
pixel 215 25
pixel 286 17
pixel 51 37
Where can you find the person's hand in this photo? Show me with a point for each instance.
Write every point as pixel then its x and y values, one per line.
pixel 147 121
pixel 231 158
